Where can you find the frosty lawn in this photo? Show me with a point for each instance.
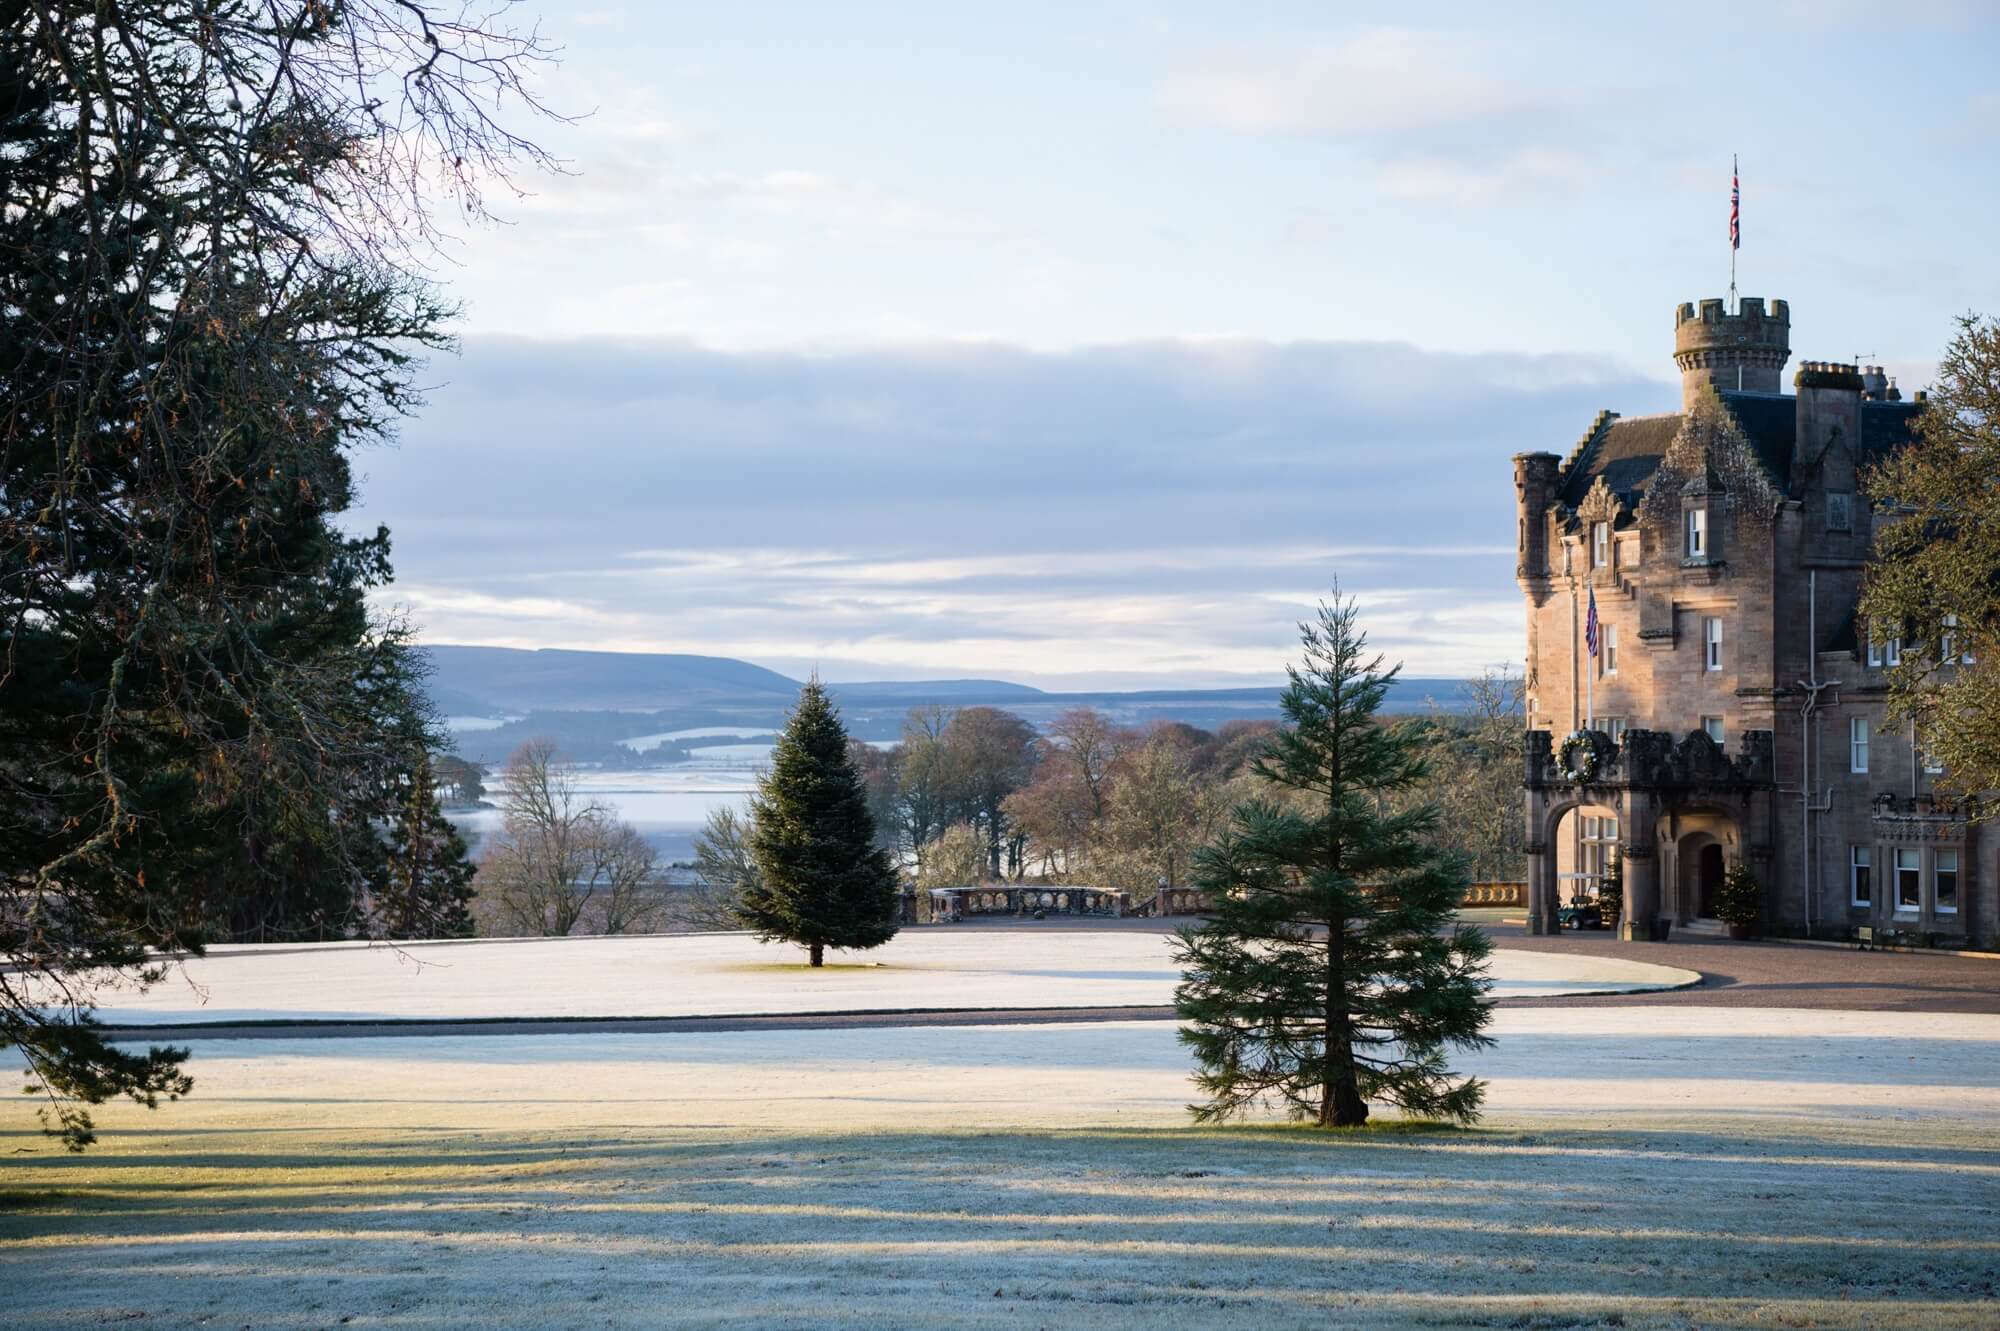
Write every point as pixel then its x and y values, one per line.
pixel 713 974
pixel 1642 1167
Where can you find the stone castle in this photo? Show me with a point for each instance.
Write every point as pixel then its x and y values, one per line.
pixel 1736 703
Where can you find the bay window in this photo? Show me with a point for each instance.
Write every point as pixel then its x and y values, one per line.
pixel 1944 882
pixel 1909 880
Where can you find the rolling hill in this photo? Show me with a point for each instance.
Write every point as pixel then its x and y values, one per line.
pixel 590 701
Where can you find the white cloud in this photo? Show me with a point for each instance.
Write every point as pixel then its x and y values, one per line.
pixel 1160 511
pixel 638 187
pixel 822 199
pixel 720 252
pixel 1438 117
pixel 1050 284
pixel 1387 83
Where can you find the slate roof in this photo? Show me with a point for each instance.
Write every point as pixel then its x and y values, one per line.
pixel 1627 451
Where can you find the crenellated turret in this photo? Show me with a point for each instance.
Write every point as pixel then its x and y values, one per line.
pixel 1746 350
pixel 1535 479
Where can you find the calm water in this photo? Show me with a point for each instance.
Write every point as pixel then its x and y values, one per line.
pixel 668 805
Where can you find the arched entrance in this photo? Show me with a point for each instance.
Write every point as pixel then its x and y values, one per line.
pixel 1701 875
pixel 1697 845
pixel 1674 813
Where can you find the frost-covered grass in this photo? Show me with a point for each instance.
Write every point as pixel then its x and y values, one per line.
pixel 713 974
pixel 1641 1167
pixel 1521 1225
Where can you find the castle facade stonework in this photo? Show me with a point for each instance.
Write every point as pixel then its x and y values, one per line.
pixel 1737 701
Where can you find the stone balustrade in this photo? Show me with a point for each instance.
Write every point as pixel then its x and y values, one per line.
pixel 1497 894
pixel 949 904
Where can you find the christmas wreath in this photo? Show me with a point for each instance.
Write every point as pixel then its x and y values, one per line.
pixel 1580 756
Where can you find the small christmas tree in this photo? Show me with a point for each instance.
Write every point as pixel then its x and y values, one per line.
pixel 1331 972
pixel 822 880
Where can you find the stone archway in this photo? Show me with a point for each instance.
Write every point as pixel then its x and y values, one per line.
pixel 1698 845
pixel 1662 790
pixel 1701 869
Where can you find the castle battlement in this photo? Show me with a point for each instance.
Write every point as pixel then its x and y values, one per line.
pixel 1746 350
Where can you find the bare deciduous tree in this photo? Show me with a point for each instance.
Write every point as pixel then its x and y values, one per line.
pixel 723 867
pixel 563 863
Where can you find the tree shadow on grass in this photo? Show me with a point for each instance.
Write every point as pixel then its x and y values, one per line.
pixel 1269 1223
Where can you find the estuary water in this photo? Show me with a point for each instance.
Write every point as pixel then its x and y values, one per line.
pixel 667 804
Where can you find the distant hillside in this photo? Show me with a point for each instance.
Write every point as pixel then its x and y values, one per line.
pixel 507 679
pixel 589 702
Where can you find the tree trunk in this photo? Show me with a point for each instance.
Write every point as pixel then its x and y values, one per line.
pixel 818 953
pixel 993 831
pixel 1340 1102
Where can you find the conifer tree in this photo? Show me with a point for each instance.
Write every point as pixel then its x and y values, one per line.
pixel 426 877
pixel 216 224
pixel 822 881
pixel 1330 973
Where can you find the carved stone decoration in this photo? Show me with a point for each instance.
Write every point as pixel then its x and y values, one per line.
pixel 1599 504
pixel 1702 761
pixel 1710 450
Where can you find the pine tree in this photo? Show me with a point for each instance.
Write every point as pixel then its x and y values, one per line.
pixel 426 879
pixel 214 226
pixel 1330 973
pixel 822 880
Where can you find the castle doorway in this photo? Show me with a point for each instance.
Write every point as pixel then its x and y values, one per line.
pixel 1702 860
pixel 1708 879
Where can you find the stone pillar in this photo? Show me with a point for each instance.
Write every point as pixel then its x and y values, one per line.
pixel 1542 917
pixel 1640 922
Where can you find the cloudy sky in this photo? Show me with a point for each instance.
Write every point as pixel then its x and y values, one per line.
pixel 1088 344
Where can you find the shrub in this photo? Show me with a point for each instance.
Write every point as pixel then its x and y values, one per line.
pixel 1741 897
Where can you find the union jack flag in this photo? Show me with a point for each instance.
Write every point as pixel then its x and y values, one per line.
pixel 1590 626
pixel 1735 208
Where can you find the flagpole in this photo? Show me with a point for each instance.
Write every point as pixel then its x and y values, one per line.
pixel 1735 193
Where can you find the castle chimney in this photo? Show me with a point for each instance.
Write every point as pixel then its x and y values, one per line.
pixel 1829 403
pixel 1746 350
pixel 1874 383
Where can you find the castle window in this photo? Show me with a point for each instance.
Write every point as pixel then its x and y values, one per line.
pixel 1610 656
pixel 1712 725
pixel 1600 848
pixel 1944 882
pixel 1612 726
pixel 1839 511
pixel 1909 881
pixel 1885 651
pixel 1860 876
pixel 1697 533
pixel 1600 544
pixel 1950 653
pixel 1857 744
pixel 1711 634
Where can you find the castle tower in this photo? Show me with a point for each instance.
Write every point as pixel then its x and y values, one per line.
pixel 1536 476
pixel 1746 350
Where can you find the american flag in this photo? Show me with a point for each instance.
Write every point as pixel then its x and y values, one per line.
pixel 1590 626
pixel 1735 208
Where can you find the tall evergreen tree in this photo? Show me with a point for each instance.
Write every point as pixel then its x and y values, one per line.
pixel 1331 973
pixel 822 881
pixel 213 219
